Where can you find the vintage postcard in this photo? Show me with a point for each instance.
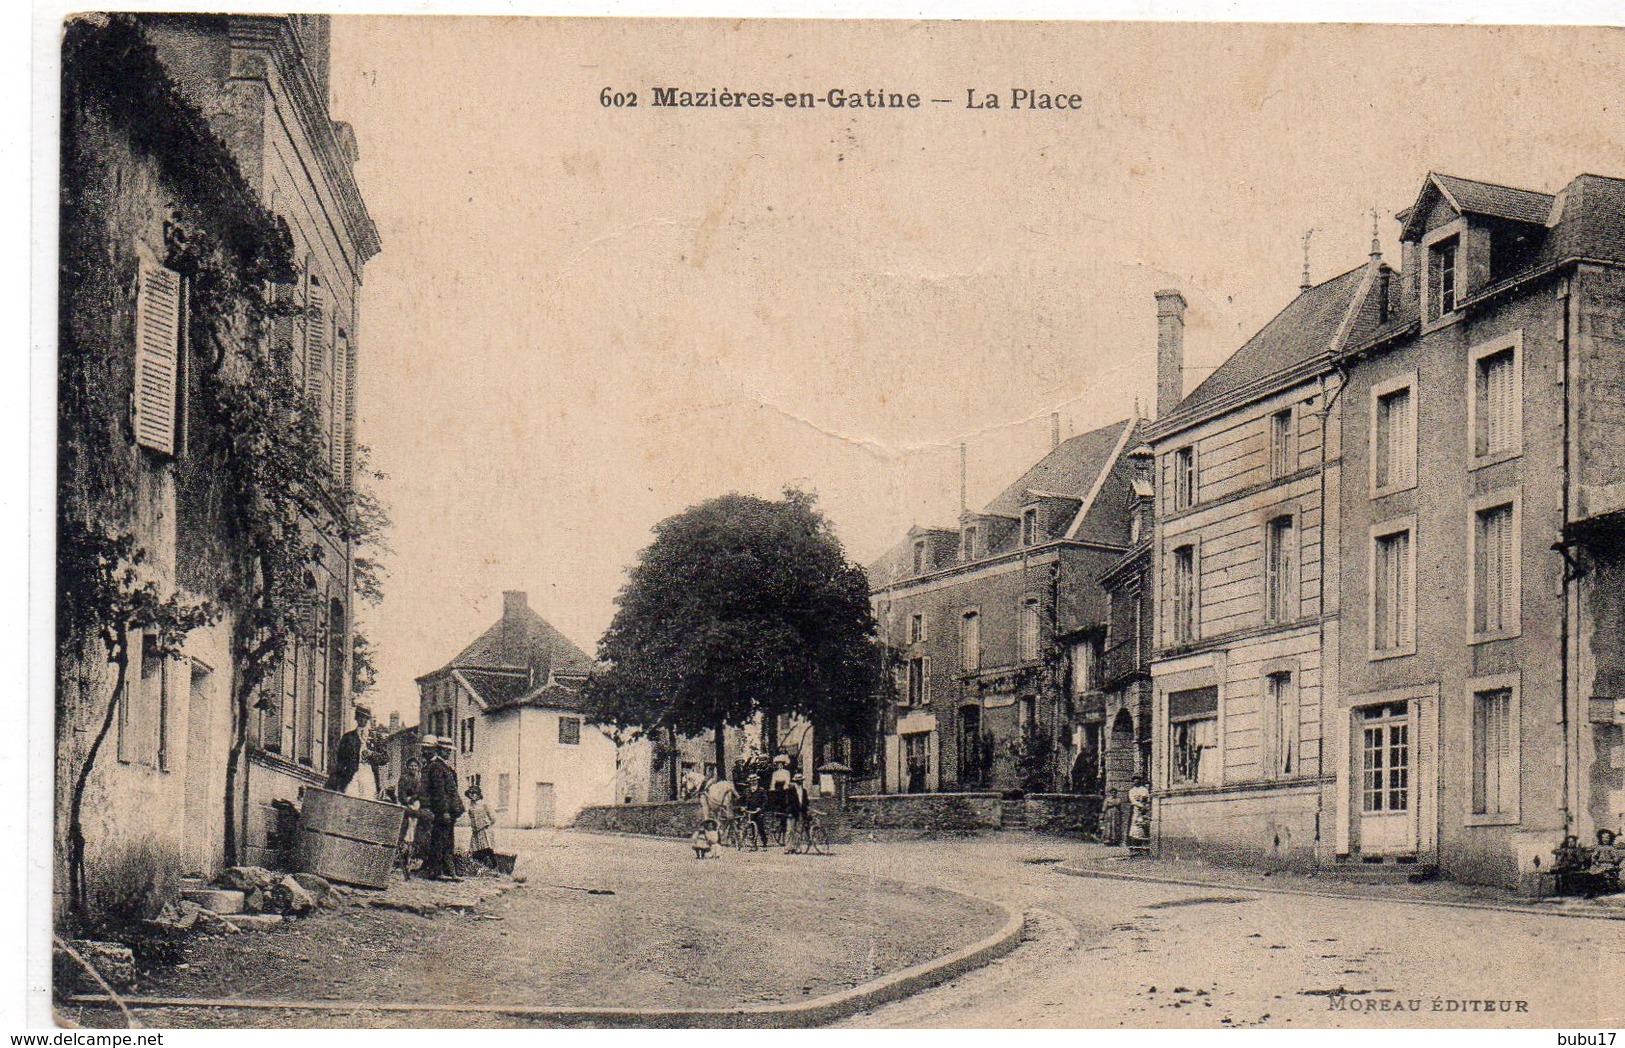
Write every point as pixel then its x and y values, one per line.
pixel 639 522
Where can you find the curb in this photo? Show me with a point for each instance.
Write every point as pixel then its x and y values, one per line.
pixel 817 1012
pixel 1080 870
pixel 807 1013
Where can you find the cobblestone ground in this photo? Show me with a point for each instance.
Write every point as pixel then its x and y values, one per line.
pixel 668 931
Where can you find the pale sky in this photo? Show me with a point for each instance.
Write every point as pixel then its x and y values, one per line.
pixel 586 319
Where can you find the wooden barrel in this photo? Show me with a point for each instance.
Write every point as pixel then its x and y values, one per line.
pixel 346 838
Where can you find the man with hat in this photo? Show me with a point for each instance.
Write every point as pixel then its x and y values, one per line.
pixel 444 806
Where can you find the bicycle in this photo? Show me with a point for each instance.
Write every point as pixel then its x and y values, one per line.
pixel 808 837
pixel 741 831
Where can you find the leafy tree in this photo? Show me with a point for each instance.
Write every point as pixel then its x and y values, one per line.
pixel 741 606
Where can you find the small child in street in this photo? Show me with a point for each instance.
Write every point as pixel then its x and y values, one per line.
pixel 704 840
pixel 480 820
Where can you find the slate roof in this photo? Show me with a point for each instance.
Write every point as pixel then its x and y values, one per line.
pixel 1487 198
pixel 1591 222
pixel 495 689
pixel 552 695
pixel 523 639
pixel 1300 332
pixel 1068 471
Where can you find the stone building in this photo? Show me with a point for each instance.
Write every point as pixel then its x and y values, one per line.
pixel 1245 464
pixel 1111 663
pixel 976 615
pixel 1478 721
pixel 510 702
pixel 199 167
pixel 1387 556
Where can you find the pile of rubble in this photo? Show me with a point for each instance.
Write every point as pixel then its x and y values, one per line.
pixel 250 898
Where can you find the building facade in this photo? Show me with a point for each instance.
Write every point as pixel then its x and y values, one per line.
pixel 194 149
pixel 510 702
pixel 976 616
pixel 1480 657
pixel 1247 465
pixel 1111 665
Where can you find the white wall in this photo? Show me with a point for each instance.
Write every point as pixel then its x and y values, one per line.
pixel 523 744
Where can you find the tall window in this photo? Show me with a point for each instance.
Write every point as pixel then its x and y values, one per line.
pixel 1495 570
pixel 918 682
pixel 1280 588
pixel 1281 705
pixel 1184 609
pixel 919 557
pixel 1283 449
pixel 1393 458
pixel 967 543
pixel 1392 594
pixel 1442 278
pixel 143 709
pixel 1184 478
pixel 1029 526
pixel 1495 766
pixel 569 731
pixel 1496 412
pixel 916 628
pixel 970 642
pixel 1193 719
pixel 466 737
pixel 1028 630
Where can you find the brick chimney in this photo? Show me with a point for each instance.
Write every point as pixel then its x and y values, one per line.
pixel 1170 351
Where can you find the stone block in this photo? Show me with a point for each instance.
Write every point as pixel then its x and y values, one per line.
pixel 219 900
pixel 256 922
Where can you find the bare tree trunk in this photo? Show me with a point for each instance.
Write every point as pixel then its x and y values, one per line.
pixel 78 893
pixel 719 738
pixel 671 739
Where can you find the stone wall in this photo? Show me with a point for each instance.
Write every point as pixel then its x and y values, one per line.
pixel 1066 814
pixel 662 819
pixel 924 811
pixel 1055 813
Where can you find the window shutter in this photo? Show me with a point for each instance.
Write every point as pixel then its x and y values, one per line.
pixel 1500 399
pixel 343 406
pixel 157 356
pixel 1404 468
pixel 315 342
pixel 925 681
pixel 1505 596
pixel 1402 588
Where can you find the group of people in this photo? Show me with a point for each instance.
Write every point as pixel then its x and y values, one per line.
pixel 428 790
pixel 765 788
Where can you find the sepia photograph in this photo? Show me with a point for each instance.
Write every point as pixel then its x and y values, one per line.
pixel 651 522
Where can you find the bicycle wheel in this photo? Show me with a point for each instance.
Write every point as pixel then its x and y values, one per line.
pixel 752 836
pixel 817 840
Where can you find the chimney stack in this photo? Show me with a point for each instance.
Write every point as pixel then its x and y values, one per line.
pixel 1170 351
pixel 1054 430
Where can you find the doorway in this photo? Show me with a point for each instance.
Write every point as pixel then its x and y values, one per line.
pixel 546 804
pixel 202 815
pixel 1385 756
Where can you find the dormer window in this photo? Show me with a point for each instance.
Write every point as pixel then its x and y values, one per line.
pixel 1029 526
pixel 1442 277
pixel 919 556
pixel 967 543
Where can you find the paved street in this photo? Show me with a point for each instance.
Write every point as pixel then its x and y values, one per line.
pixel 743 928
pixel 1111 953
